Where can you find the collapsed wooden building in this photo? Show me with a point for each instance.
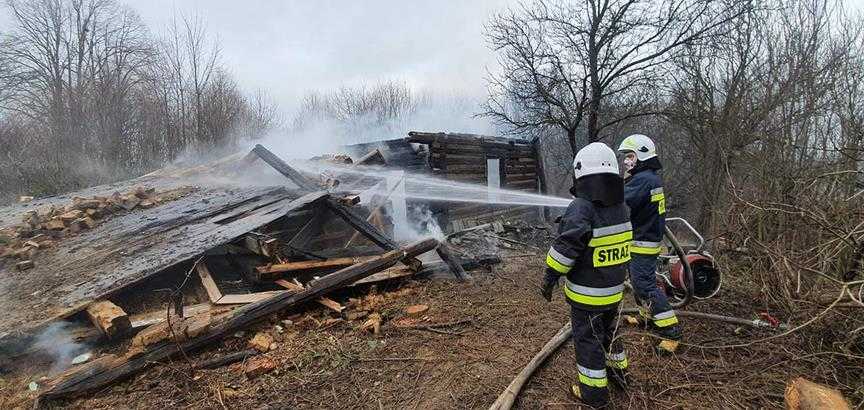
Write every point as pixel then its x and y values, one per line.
pixel 224 256
pixel 495 162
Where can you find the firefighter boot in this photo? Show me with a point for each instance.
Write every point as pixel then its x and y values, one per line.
pixel 619 377
pixel 577 393
pixel 616 368
pixel 669 332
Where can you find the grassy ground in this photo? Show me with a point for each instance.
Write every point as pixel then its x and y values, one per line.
pixel 501 322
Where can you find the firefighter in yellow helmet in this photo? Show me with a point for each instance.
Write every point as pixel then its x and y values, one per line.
pixel 591 253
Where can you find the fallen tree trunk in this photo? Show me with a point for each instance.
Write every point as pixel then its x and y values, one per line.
pixel 82 382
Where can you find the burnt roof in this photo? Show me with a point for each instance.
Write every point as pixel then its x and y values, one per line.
pixel 130 247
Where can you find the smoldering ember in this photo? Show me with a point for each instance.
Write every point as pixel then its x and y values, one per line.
pixel 538 204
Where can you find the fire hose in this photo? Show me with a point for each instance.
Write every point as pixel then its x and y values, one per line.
pixel 688 272
pixel 508 397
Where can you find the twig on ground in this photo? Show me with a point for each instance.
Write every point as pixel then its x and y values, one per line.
pixel 434 327
pixel 512 241
pixel 394 359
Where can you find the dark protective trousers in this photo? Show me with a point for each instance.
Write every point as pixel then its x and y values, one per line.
pixel 643 278
pixel 593 333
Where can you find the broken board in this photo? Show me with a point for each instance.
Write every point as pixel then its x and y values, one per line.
pixel 129 248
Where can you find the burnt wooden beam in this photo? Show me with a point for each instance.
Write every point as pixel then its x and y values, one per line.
pixel 97 377
pixel 207 281
pixel 360 224
pixel 373 216
pixel 357 250
pixel 372 157
pixel 312 227
pixel 109 318
pixel 323 300
pixel 308 265
pixel 368 230
pixel 428 269
pixel 452 262
pixel 294 252
pixel 460 138
pixel 283 168
pixel 218 298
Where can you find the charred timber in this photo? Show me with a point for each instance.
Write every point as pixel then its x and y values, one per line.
pixel 374 157
pixel 283 168
pixel 452 262
pixel 499 149
pixel 99 377
pixel 369 231
pixel 430 137
pixel 309 265
pixel 360 224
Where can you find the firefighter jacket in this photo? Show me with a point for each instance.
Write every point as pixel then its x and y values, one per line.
pixel 643 191
pixel 592 251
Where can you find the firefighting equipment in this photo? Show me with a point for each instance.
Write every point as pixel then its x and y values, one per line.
pixel 595 158
pixel 548 286
pixel 639 144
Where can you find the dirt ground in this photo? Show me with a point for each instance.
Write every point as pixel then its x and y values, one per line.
pixel 498 322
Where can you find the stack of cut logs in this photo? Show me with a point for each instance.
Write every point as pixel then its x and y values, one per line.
pixel 41 228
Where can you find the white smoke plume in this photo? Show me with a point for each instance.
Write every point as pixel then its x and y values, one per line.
pixel 57 342
pixel 388 110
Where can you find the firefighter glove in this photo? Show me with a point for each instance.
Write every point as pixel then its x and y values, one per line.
pixel 548 286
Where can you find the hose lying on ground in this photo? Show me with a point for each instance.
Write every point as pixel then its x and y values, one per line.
pixel 506 399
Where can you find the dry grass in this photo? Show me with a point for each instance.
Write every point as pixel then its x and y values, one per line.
pixel 326 365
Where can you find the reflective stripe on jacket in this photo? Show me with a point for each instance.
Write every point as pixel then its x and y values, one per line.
pixel 644 194
pixel 592 249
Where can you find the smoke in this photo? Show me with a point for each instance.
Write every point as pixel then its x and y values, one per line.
pixel 58 343
pixel 326 122
pixel 424 225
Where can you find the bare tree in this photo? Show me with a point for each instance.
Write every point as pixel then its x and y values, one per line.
pixel 87 95
pixel 564 60
pixel 382 109
pixel 66 61
pixel 260 116
pixel 756 104
pixel 202 56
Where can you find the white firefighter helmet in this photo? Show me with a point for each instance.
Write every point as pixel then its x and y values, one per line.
pixel 595 158
pixel 639 144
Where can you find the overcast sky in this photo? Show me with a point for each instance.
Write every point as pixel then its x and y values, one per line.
pixel 290 47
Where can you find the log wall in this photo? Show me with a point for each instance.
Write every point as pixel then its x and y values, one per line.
pixel 463 158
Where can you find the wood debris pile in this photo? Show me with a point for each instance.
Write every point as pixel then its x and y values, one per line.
pixel 42 228
pixel 311 250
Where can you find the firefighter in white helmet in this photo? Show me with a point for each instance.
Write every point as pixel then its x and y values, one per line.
pixel 591 252
pixel 643 191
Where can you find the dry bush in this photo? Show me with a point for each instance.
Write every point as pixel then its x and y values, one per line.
pixel 803 248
